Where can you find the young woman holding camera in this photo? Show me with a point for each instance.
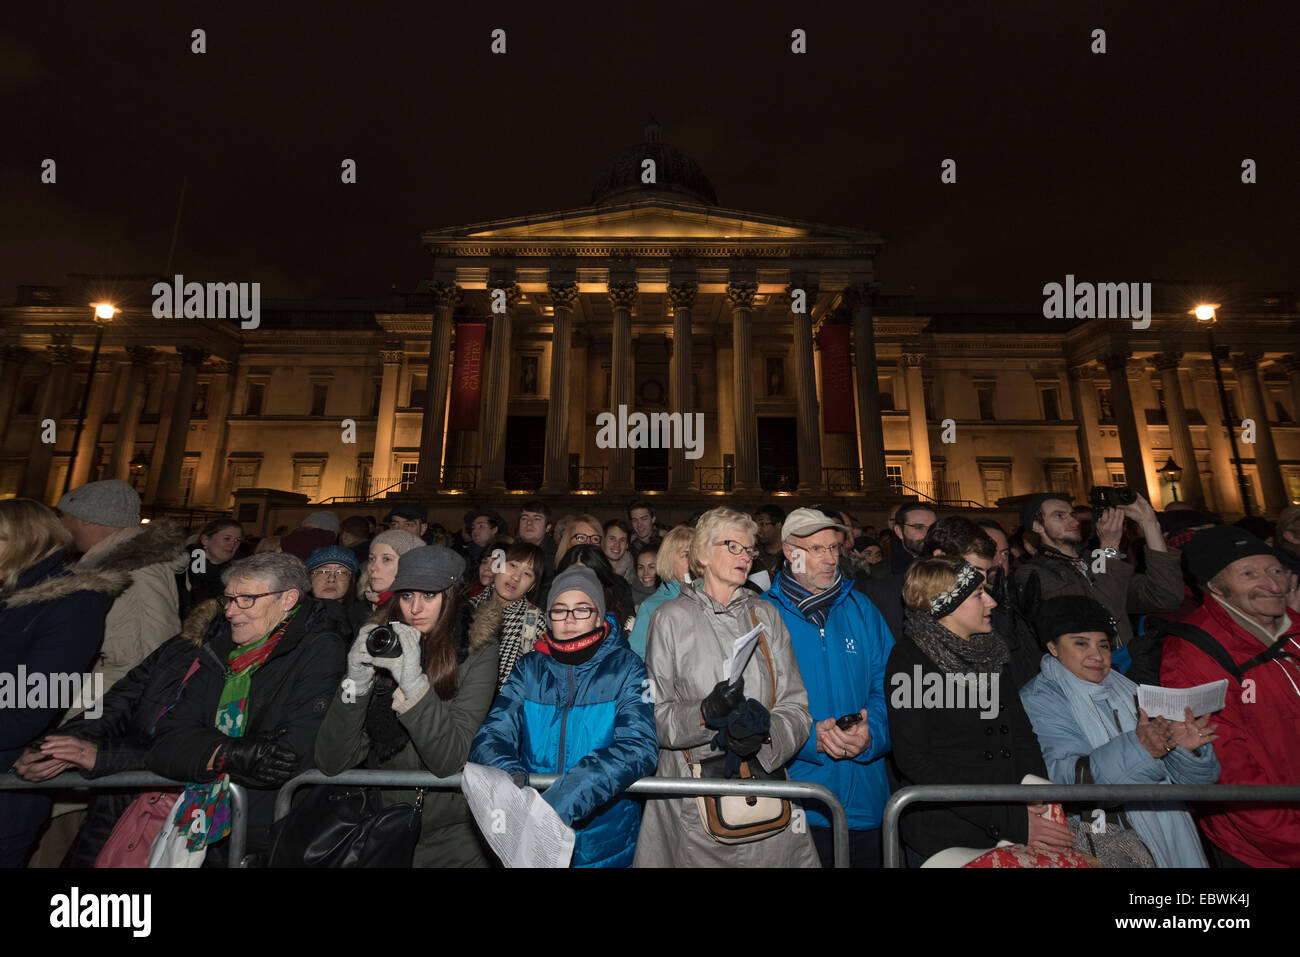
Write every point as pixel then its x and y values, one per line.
pixel 416 691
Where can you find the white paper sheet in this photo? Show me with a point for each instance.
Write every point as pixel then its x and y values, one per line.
pixel 741 651
pixel 521 828
pixel 1170 702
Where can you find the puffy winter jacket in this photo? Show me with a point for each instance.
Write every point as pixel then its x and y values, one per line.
pixel 843 668
pixel 594 725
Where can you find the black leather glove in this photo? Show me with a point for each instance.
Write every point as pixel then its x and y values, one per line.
pixel 260 761
pixel 721 701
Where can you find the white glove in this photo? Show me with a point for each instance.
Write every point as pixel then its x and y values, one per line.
pixel 361 667
pixel 407 668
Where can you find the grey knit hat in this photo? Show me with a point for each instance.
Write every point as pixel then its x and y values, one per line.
pixel 111 502
pixel 326 520
pixel 583 579
pixel 428 568
pixel 398 539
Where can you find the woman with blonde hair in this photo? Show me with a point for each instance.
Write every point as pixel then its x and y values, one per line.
pixel 672 565
pixel 756 724
pixel 580 530
pixel 52 623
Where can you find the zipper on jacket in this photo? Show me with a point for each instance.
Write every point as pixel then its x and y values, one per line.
pixel 564 718
pixel 822 630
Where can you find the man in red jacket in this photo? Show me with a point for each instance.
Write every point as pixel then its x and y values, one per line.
pixel 1245 611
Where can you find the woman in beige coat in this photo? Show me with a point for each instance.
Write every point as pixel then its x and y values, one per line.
pixel 690 640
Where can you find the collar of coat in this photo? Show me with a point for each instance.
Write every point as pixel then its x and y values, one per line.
pixel 206 623
pixel 131 549
pixel 60 582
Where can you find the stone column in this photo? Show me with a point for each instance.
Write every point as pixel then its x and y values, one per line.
pixel 1130 443
pixel 917 427
pixel 622 297
pixel 169 473
pixel 497 383
pixel 446 296
pixel 555 477
pixel 1180 434
pixel 810 446
pixel 1223 475
pixel 682 297
pixel 1083 403
pixel 100 395
pixel 1246 366
pixel 53 398
pixel 1290 363
pixel 207 486
pixel 741 296
pixel 12 359
pixel 381 464
pixel 137 390
pixel 870 426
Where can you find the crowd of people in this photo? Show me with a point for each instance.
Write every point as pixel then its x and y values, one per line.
pixel 933 650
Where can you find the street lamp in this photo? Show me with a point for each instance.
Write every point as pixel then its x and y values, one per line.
pixel 1172 472
pixel 1206 315
pixel 102 315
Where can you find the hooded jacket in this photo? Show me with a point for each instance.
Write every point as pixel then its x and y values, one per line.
pixel 291 690
pixel 147 613
pixel 52 623
pixel 641 628
pixel 1258 741
pixel 593 724
pixel 843 669
pixel 691 637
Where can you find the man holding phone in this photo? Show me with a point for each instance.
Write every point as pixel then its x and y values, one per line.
pixel 842 643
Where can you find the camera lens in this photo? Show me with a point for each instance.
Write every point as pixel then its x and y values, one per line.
pixel 383 643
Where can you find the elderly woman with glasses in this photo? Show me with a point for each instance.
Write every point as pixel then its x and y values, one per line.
pixel 762 719
pixel 249 714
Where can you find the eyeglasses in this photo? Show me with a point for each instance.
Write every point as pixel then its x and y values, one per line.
pixel 738 549
pixel 328 573
pixel 581 613
pixel 820 551
pixel 585 540
pixel 246 601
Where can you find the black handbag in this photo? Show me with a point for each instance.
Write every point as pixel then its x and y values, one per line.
pixel 333 826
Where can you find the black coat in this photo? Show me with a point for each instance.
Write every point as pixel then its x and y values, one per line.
pixel 292 689
pixel 52 622
pixel 957 746
pixel 886 593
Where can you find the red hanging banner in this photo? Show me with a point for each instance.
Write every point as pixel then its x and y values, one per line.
pixel 466 376
pixel 837 380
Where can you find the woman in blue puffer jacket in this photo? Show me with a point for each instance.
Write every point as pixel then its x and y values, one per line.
pixel 579 706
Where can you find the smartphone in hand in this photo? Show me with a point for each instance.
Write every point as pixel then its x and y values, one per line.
pixel 848 721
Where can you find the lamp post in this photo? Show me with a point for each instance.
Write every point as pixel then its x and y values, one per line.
pixel 102 315
pixel 1207 316
pixel 1172 472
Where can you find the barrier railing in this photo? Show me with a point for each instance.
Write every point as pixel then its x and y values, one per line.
pixel 140 781
pixel 1108 794
pixel 676 787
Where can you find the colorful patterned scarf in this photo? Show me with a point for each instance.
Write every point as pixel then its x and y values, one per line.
pixel 203 814
pixel 816 608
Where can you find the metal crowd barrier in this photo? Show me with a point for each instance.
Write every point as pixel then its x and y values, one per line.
pixel 1108 794
pixel 141 781
pixel 678 787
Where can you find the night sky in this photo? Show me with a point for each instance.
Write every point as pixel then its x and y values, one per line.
pixel 1117 167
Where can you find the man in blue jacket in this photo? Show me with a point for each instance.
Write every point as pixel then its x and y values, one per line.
pixel 842 644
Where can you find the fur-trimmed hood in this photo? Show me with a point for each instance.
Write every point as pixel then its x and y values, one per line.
pixel 55 586
pixel 131 549
pixel 319 615
pixel 195 627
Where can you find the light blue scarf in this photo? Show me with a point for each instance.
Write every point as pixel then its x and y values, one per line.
pixel 1167 829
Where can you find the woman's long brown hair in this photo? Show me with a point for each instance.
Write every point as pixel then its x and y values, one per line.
pixel 439 645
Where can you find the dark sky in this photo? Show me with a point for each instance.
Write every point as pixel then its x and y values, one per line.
pixel 1116 167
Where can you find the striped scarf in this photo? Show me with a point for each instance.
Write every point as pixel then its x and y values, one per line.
pixel 816 608
pixel 203 814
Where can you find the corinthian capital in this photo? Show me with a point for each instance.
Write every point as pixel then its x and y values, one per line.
pixel 741 294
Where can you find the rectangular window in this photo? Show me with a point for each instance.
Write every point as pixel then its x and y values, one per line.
pixel 243 475
pixel 256 391
pixel 995 484
pixel 1051 404
pixel 1061 480
pixel 984 393
pixel 319 391
pixel 1117 478
pixel 409 472
pixel 309 480
pixel 894 475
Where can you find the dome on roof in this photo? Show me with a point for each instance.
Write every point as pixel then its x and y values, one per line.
pixel 676 174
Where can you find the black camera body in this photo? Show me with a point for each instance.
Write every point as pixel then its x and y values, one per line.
pixel 383 643
pixel 1107 496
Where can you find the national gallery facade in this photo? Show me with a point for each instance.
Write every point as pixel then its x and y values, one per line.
pixel 489 382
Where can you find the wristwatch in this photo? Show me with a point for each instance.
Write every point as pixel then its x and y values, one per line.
pixel 1112 553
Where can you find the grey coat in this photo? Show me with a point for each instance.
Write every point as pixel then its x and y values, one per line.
pixel 689 641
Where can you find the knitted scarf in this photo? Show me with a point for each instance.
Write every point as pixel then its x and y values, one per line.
pixel 203 814
pixel 816 608
pixel 984 653
pixel 510 625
